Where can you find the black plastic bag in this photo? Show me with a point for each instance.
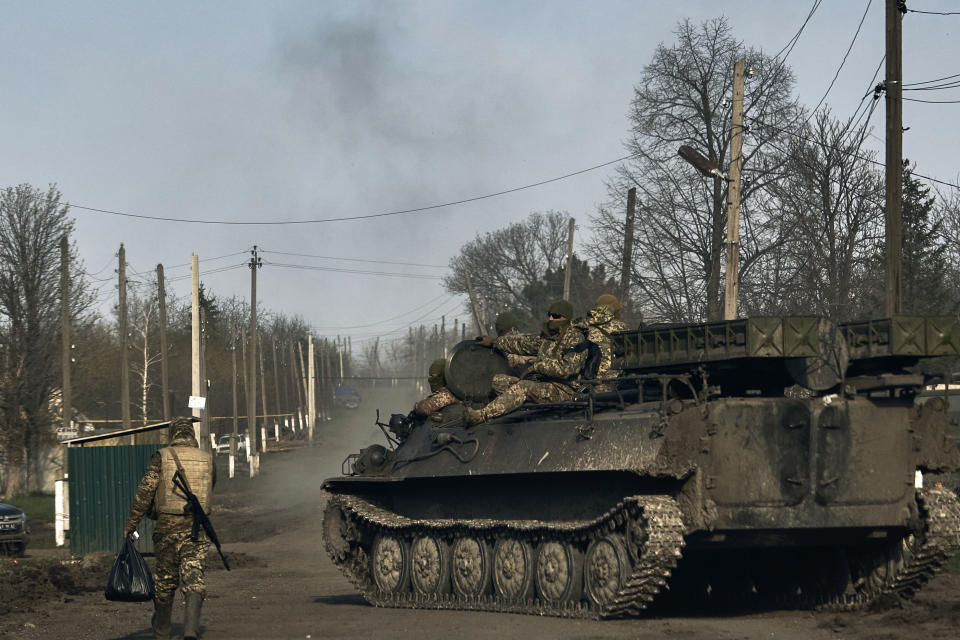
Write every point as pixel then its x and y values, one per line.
pixel 130 580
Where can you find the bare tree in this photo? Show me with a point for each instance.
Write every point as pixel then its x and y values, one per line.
pixel 830 200
pixel 32 222
pixel 684 98
pixel 145 318
pixel 504 262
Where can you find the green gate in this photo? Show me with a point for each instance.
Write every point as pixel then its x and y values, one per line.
pixel 102 483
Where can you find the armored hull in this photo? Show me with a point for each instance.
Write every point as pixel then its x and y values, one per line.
pixel 585 508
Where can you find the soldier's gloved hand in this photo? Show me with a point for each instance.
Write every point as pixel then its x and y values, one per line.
pixel 484 341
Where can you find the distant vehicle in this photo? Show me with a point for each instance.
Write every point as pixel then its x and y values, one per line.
pixel 347 397
pixel 14 530
pixel 223 444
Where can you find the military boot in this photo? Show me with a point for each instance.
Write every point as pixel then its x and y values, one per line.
pixel 191 618
pixel 473 416
pixel 161 619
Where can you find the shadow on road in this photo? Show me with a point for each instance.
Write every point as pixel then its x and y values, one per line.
pixel 142 634
pixel 346 598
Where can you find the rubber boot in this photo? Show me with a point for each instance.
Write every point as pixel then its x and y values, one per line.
pixel 161 619
pixel 191 617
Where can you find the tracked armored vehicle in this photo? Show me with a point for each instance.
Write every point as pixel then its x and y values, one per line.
pixel 775 459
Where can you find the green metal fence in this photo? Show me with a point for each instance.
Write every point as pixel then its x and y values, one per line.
pixel 103 482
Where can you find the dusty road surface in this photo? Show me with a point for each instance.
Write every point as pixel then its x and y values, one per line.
pixel 283 586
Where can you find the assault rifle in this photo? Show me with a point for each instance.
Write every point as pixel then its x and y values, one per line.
pixel 200 518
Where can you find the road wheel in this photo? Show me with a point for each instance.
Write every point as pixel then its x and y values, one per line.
pixel 390 564
pixel 559 575
pixel 606 568
pixel 430 562
pixel 472 566
pixel 513 569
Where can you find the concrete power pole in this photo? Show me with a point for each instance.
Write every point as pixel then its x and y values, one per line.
pixel 276 382
pixel 204 438
pixel 67 394
pixel 124 358
pixel 263 394
pixel 195 389
pixel 164 376
pixel 569 270
pixel 478 326
pixel 733 208
pixel 311 391
pixel 627 265
pixel 894 159
pixel 255 263
pixel 236 420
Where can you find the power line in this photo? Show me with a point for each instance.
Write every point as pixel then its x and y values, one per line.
pixel 228 255
pixel 845 56
pixel 935 13
pixel 384 214
pixel 913 84
pixel 931 101
pixel 210 272
pixel 311 267
pixel 367 326
pixel 308 255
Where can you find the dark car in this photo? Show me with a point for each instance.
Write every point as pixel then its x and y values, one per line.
pixel 14 530
pixel 344 396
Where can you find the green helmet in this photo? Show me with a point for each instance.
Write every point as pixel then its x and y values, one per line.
pixel 506 322
pixel 181 427
pixel 435 377
pixel 561 308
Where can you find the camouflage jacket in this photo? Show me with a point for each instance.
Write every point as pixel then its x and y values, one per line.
pixel 598 325
pixel 147 491
pixel 436 401
pixel 558 359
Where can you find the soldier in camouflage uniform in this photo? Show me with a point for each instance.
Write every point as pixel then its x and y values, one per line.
pixel 440 396
pixel 561 351
pixel 600 322
pixel 506 325
pixel 179 558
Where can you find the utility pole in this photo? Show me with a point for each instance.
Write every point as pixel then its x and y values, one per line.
pixel 195 389
pixel 311 391
pixel 66 399
pixel 339 352
pixel 297 392
pixel 204 438
pixel 236 420
pixel 263 394
pixel 276 381
pixel 569 270
pixel 627 265
pixel 124 358
pixel 894 160
pixel 478 326
pixel 733 206
pixel 303 382
pixel 162 306
pixel 255 263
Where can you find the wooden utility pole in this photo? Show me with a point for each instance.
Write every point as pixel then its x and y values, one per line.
pixel 263 390
pixel 627 265
pixel 236 418
pixel 124 358
pixel 894 159
pixel 195 389
pixel 297 392
pixel 339 352
pixel 164 376
pixel 254 264
pixel 311 391
pixel 733 206
pixel 66 398
pixel 569 270
pixel 276 381
pixel 478 326
pixel 303 382
pixel 204 437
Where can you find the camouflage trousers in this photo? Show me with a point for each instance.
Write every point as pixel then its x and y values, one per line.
pixel 513 392
pixel 179 559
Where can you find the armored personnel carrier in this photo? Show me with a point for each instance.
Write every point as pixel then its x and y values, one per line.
pixel 783 458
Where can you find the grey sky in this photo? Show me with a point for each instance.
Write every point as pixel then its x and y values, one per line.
pixel 303 110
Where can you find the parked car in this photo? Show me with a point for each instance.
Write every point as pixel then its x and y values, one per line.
pixel 223 444
pixel 14 530
pixel 344 396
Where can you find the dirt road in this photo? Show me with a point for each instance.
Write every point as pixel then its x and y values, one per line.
pixel 283 586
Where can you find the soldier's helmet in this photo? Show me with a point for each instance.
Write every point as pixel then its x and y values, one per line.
pixel 180 427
